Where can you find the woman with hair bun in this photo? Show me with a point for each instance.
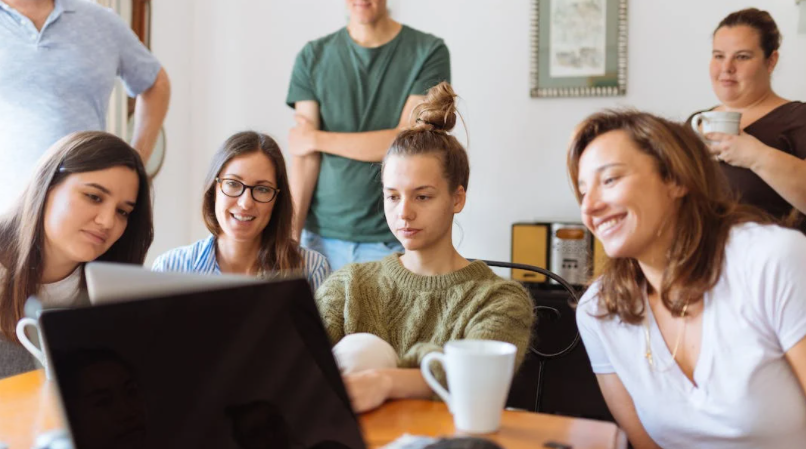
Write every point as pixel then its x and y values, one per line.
pixel 385 316
pixel 766 163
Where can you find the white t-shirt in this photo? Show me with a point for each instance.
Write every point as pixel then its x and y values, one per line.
pixel 747 395
pixel 62 293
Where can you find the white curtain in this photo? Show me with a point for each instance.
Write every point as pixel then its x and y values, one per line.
pixel 117 115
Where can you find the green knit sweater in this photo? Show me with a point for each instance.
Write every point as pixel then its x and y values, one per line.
pixel 419 314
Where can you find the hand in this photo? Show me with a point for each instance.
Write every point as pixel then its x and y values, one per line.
pixel 367 389
pixel 743 150
pixel 301 137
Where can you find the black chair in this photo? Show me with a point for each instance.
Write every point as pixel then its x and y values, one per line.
pixel 556 375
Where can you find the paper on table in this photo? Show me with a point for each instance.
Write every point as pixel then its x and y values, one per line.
pixel 407 441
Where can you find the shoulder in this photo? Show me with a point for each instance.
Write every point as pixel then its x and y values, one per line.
pixel 589 307
pixel 779 244
pixel 91 10
pixel 317 46
pixel 186 257
pixel 421 38
pixel 313 260
pixel 499 290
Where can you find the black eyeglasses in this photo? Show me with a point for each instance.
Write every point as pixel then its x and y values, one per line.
pixel 234 188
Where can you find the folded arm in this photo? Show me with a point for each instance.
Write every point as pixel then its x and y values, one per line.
pixel 369 146
pixel 304 171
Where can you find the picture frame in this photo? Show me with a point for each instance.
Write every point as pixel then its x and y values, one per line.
pixel 579 48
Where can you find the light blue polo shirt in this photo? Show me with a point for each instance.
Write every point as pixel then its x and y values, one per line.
pixel 59 80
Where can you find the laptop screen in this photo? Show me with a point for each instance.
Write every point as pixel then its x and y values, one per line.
pixel 246 367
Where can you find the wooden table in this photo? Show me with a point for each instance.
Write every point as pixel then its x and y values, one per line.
pixel 28 407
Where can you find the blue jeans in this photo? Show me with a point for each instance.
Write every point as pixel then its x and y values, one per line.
pixel 341 252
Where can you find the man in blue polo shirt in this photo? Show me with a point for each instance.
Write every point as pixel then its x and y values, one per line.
pixel 58 63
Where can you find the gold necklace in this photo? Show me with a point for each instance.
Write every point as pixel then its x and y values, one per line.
pixel 648 354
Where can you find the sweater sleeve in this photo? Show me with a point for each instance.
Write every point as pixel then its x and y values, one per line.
pixel 507 315
pixel 331 298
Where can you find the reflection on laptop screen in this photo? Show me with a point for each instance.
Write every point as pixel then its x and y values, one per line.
pixel 241 367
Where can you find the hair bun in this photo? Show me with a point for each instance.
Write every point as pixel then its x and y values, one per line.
pixel 438 111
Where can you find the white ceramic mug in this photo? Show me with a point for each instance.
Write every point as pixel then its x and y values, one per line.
pixel 716 122
pixel 479 375
pixel 40 354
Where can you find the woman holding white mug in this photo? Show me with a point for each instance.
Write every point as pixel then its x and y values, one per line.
pixel 89 199
pixel 764 159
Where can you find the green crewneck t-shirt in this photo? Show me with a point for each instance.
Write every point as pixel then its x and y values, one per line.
pixel 361 89
pixel 419 314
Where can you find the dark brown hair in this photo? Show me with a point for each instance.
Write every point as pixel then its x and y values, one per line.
pixel 761 21
pixel 706 214
pixel 278 251
pixel 22 230
pixel 429 135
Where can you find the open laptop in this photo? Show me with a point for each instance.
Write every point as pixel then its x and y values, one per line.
pixel 231 366
pixel 114 282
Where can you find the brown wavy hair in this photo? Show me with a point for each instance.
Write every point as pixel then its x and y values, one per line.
pixel 22 229
pixel 706 214
pixel 278 251
pixel 429 134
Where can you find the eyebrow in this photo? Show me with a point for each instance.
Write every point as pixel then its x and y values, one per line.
pixel 416 189
pixel 737 51
pixel 603 168
pixel 233 175
pixel 106 191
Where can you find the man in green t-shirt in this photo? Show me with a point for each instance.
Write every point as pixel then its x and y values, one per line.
pixel 353 91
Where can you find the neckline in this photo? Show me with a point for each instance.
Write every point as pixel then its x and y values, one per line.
pixel 767 116
pixel 663 357
pixel 356 46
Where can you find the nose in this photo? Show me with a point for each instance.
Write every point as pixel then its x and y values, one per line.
pixel 106 217
pixel 591 202
pixel 406 210
pixel 728 66
pixel 245 200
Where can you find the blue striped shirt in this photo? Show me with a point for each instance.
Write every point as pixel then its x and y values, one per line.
pixel 200 258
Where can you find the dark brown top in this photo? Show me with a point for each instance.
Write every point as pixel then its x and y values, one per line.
pixel 783 128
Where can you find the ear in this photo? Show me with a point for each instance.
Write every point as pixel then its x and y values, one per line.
pixel 459 198
pixel 676 191
pixel 772 61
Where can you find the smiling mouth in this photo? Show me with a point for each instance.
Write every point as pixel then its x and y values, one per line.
pixel 609 224
pixel 242 218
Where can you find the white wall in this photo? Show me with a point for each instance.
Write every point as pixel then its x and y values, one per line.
pixel 230 63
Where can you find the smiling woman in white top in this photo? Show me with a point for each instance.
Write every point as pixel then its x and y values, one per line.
pixel 696 328
pixel 89 199
pixel 247 208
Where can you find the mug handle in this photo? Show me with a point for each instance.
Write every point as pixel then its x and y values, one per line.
pixel 696 121
pixel 21 325
pixel 429 377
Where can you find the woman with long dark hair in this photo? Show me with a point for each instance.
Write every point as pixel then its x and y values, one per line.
pixel 89 199
pixel 248 210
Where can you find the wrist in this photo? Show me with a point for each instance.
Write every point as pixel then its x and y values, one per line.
pixel 386 383
pixel 761 161
pixel 317 140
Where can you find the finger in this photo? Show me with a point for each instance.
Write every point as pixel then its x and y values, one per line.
pixel 715 136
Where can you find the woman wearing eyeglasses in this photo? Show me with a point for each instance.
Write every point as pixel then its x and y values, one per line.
pixel 247 208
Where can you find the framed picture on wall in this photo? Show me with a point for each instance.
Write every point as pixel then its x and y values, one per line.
pixel 579 48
